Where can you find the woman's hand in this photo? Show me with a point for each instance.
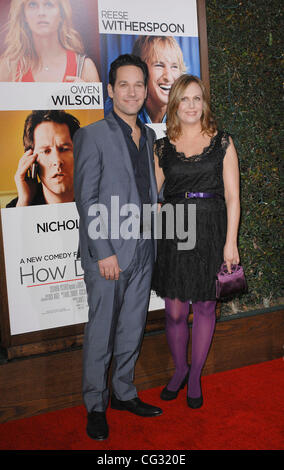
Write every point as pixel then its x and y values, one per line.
pixel 231 255
pixel 231 176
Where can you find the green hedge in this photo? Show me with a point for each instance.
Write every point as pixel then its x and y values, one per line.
pixel 244 47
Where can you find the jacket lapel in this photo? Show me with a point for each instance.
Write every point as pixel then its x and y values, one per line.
pixel 121 149
pixel 120 144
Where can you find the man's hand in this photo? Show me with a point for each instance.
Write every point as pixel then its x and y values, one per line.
pixel 26 186
pixel 109 268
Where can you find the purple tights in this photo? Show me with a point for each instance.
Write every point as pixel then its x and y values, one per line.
pixel 177 333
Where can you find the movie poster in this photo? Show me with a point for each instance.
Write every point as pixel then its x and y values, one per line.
pixel 167 42
pixel 54 62
pixel 50 86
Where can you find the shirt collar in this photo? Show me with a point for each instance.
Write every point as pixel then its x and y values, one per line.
pixel 126 126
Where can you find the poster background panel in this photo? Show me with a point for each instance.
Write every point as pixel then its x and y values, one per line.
pixel 92 42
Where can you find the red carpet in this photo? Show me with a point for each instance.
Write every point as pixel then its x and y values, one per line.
pixel 243 410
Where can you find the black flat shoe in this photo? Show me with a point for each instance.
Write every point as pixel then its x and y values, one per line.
pixel 135 406
pixel 168 395
pixel 195 402
pixel 97 427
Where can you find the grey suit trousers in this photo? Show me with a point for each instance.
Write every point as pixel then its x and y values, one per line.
pixel 117 316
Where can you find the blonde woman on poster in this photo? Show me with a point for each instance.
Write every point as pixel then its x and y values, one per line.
pixel 43 46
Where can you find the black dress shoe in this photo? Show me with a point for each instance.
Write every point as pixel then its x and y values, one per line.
pixel 135 406
pixel 168 395
pixel 97 427
pixel 195 402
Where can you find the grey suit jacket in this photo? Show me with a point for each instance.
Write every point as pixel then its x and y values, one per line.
pixel 103 168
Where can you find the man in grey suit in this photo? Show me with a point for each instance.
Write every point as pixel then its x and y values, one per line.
pixel 114 177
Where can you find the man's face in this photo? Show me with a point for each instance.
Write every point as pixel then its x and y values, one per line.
pixel 54 147
pixel 129 91
pixel 164 69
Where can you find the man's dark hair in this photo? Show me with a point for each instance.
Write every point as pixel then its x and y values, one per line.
pixel 127 59
pixel 37 117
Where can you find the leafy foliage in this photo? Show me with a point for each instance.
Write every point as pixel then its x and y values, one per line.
pixel 244 47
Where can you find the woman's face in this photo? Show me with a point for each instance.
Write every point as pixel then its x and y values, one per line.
pixel 43 16
pixel 191 104
pixel 164 69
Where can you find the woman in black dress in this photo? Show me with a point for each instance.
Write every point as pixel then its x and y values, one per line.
pixel 198 165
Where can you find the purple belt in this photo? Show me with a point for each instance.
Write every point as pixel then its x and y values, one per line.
pixel 188 195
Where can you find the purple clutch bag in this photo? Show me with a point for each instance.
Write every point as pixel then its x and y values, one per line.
pixel 228 284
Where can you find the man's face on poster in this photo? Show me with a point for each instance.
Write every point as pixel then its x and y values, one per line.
pixel 54 146
pixel 164 69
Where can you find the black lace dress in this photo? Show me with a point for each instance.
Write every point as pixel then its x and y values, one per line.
pixel 190 274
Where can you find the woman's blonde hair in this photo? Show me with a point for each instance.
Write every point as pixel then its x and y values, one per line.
pixel 208 124
pixel 147 47
pixel 20 53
